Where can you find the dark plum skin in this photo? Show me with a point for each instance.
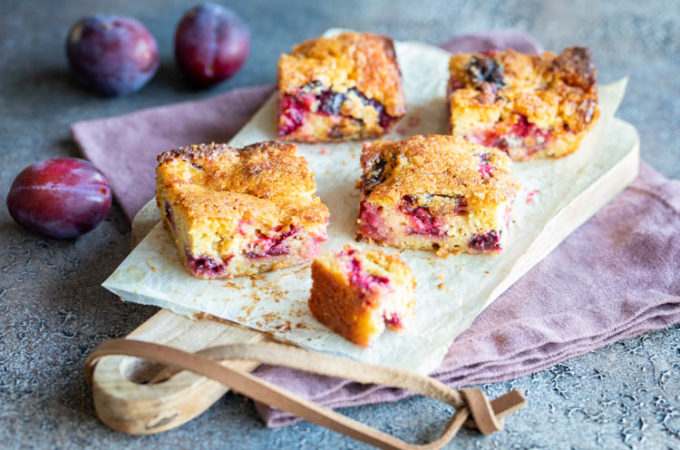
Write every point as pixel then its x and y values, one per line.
pixel 112 55
pixel 61 197
pixel 211 44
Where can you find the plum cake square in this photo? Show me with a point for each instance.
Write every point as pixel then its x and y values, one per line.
pixel 357 293
pixel 436 192
pixel 235 212
pixel 529 106
pixel 339 88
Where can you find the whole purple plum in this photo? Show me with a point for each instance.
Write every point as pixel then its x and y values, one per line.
pixel 60 197
pixel 112 55
pixel 211 44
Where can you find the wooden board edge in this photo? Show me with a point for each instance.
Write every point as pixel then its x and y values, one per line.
pixel 127 405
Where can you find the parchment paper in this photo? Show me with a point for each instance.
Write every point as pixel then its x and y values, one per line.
pixel 451 292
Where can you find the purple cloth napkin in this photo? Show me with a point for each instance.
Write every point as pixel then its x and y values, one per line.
pixel 615 277
pixel 125 147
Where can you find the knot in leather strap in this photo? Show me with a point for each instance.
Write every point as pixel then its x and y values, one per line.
pixel 486 416
pixel 480 409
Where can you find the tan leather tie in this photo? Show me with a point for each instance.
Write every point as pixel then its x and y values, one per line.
pixel 485 416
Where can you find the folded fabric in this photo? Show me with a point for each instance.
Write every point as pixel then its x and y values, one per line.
pixel 615 277
pixel 125 147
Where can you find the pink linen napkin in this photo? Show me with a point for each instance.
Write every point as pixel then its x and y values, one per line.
pixel 125 147
pixel 615 277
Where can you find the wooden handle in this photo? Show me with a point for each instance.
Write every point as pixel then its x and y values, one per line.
pixel 487 416
pixel 123 395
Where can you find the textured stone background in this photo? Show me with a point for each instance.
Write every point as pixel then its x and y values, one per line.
pixel 53 312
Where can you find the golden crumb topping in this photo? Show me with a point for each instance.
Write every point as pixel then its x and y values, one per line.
pixel 267 182
pixel 436 166
pixel 555 92
pixel 364 61
pixel 377 262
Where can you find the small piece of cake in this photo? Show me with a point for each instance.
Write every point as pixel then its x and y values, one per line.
pixel 339 88
pixel 235 212
pixel 436 192
pixel 529 106
pixel 357 293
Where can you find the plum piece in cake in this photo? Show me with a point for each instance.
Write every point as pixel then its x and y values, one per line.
pixel 528 106
pixel 233 212
pixel 339 88
pixel 357 293
pixel 436 192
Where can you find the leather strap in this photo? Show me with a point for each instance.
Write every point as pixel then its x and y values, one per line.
pixel 486 416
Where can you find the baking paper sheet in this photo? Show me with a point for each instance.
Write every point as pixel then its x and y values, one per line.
pixel 451 292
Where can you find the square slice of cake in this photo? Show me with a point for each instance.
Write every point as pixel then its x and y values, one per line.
pixel 528 106
pixel 436 192
pixel 235 212
pixel 339 88
pixel 357 293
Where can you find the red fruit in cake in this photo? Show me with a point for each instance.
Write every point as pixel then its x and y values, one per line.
pixel 529 106
pixel 435 192
pixel 358 293
pixel 240 211
pixel 339 88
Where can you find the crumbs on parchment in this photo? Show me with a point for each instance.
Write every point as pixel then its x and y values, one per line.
pixel 283 328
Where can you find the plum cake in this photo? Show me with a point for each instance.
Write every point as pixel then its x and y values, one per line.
pixel 240 211
pixel 436 192
pixel 339 88
pixel 528 106
pixel 357 293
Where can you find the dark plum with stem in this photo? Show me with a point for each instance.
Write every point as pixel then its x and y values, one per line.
pixel 211 44
pixel 60 197
pixel 112 55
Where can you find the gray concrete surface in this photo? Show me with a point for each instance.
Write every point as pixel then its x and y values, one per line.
pixel 53 312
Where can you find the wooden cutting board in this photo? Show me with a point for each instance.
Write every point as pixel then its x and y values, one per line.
pixel 125 401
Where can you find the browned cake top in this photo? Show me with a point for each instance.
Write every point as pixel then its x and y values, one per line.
pixel 392 264
pixel 263 179
pixel 546 88
pixel 363 61
pixel 373 261
pixel 436 165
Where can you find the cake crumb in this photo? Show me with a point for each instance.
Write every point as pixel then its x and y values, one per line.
pixel 440 276
pixel 283 328
pixel 441 286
